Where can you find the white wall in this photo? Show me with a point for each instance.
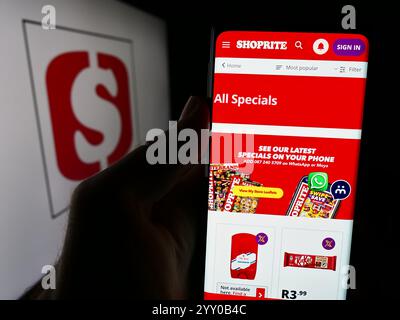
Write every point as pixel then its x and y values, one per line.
pixel 29 174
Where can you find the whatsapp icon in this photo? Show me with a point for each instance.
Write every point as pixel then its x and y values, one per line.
pixel 318 181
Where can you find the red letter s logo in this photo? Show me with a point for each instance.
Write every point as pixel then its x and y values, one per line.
pixel 62 73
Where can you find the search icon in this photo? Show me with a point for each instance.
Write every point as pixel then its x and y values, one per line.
pixel 298 45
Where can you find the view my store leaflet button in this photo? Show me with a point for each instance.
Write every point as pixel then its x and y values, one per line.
pixel 258 192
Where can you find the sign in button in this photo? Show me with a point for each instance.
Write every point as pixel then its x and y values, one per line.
pixel 349 47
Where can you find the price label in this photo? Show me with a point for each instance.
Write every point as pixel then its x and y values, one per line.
pixel 293 294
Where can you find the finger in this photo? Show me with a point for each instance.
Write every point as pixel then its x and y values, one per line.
pixel 183 207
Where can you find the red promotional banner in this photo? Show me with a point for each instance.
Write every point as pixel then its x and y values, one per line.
pixel 282 162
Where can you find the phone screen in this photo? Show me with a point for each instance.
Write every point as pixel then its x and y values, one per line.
pixel 286 129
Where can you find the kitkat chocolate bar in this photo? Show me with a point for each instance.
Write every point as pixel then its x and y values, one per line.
pixel 298 260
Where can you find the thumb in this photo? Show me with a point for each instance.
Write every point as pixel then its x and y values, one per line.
pixel 152 181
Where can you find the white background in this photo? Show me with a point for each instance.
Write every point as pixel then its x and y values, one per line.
pixel 265 256
pixel 83 91
pixel 290 234
pixel 306 241
pixel 29 238
pixel 311 68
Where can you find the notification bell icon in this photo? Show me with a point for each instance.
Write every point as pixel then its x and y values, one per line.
pixel 320 46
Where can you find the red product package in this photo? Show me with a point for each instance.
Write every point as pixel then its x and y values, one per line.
pixel 221 179
pixel 230 197
pixel 244 251
pixel 309 261
pixel 246 204
pixel 211 203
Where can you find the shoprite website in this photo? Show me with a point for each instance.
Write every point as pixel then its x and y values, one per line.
pixel 287 116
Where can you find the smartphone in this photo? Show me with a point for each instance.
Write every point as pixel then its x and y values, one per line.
pixel 286 126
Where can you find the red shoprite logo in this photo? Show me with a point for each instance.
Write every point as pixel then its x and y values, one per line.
pixel 72 118
pixel 261 45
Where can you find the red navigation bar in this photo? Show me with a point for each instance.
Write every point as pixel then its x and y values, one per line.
pixel 285 45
